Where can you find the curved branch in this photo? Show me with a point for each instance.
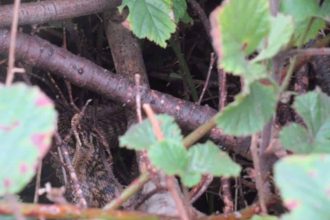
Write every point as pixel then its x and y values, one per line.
pixel 84 73
pixel 52 10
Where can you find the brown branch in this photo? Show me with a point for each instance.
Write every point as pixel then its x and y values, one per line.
pixel 53 10
pixel 258 174
pixel 125 49
pixel 84 73
pixel 310 52
pixel 72 212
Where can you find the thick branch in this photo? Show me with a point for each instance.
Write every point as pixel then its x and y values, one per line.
pixel 53 10
pixel 72 212
pixel 86 74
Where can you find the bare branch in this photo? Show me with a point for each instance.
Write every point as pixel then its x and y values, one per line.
pixel 53 10
pixel 84 73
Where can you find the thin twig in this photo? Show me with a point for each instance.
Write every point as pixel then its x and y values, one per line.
pixel 182 211
pixel 149 195
pixel 227 196
pixel 154 122
pixel 12 46
pixel 138 97
pixel 132 189
pixel 222 77
pixel 225 182
pixel 57 88
pixel 184 69
pixel 310 52
pixel 73 176
pixel 212 59
pixel 259 181
pixel 198 190
pixel 38 180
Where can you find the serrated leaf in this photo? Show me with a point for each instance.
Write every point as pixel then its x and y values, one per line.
pixel 169 156
pixel 28 121
pixel 280 34
pixel 303 11
pixel 295 138
pixel 238 27
pixel 314 108
pixel 207 158
pixel 151 19
pixel 249 113
pixel 141 136
pixel 179 9
pixel 304 184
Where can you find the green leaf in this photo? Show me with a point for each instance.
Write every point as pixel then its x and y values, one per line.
pixel 27 123
pixel 280 34
pixel 325 10
pixel 303 11
pixel 249 113
pixel 267 217
pixel 207 158
pixel 238 27
pixel 141 136
pixel 179 9
pixel 190 179
pixel 295 138
pixel 304 184
pixel 169 156
pixel 314 108
pixel 151 19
